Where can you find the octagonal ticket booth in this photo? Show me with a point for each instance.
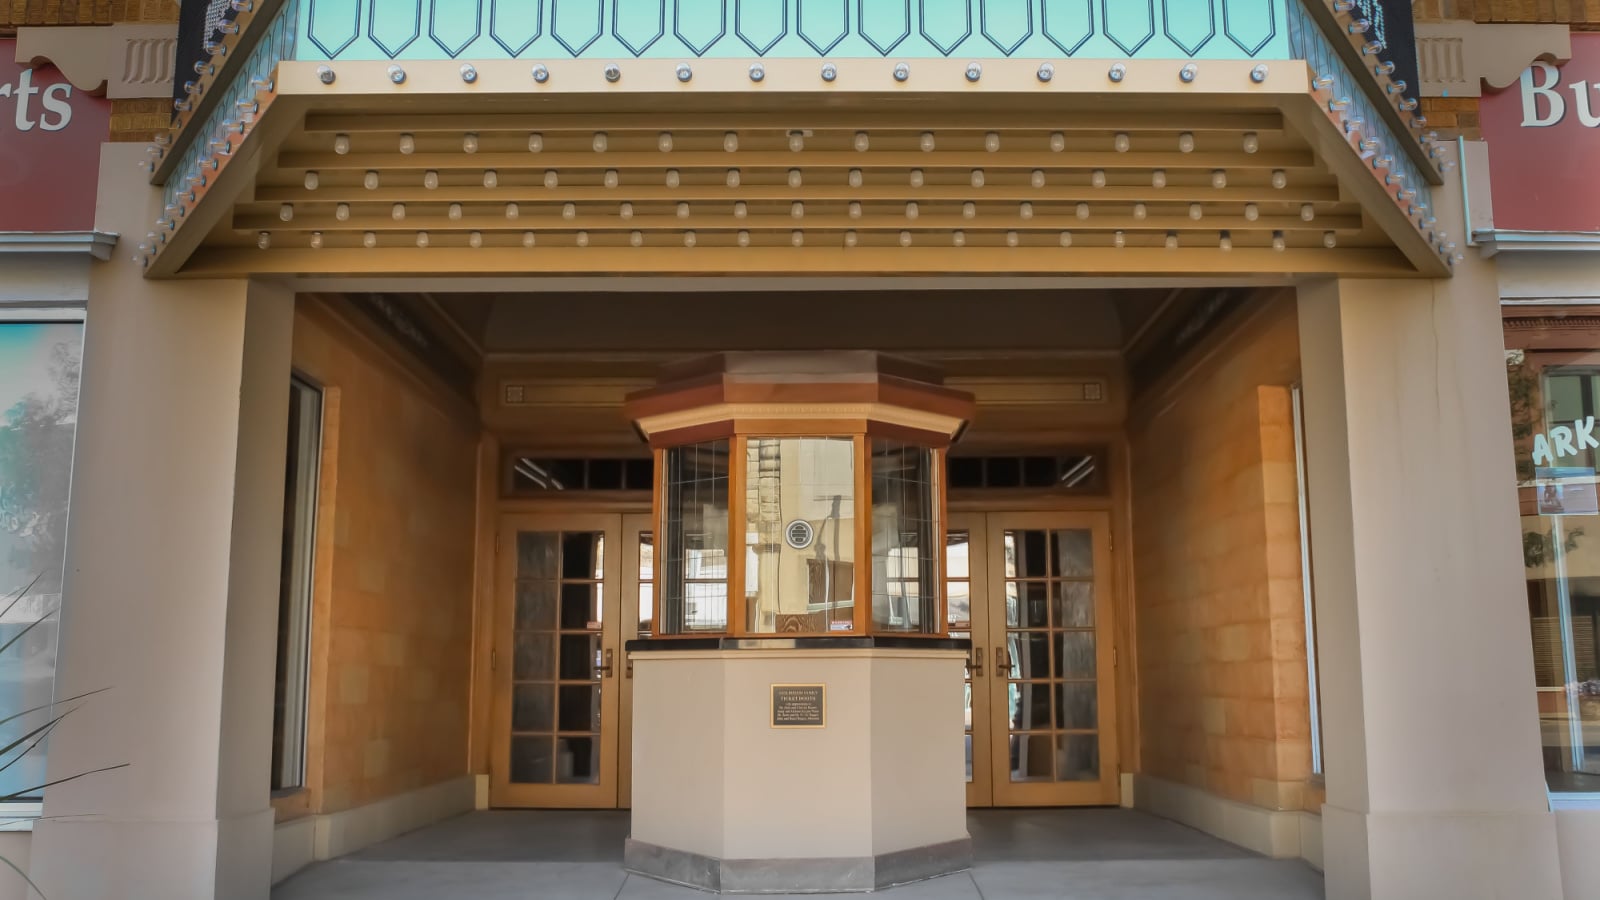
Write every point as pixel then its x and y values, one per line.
pixel 800 696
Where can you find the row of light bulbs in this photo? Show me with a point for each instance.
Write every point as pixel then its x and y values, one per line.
pixel 600 142
pixel 611 178
pixel 1119 239
pixel 797 210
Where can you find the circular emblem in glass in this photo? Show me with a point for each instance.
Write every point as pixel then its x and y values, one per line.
pixel 799 534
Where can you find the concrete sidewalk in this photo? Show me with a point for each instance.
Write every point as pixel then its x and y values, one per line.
pixel 1061 854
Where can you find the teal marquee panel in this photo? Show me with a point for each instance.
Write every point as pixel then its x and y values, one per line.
pixel 687 29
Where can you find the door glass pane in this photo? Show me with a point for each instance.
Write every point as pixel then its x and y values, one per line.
pixel 555 659
pixel 647 586
pixel 1049 655
pixel 958 615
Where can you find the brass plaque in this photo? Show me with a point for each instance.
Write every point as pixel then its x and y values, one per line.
pixel 799 706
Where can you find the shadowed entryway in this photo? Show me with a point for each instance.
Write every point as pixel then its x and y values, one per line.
pixel 1072 854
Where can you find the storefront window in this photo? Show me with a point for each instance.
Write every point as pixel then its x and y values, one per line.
pixel 905 531
pixel 39 365
pixel 1553 376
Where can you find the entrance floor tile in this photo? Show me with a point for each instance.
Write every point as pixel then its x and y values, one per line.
pixel 1059 854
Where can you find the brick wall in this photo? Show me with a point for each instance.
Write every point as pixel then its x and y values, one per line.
pixel 395 602
pixel 1223 691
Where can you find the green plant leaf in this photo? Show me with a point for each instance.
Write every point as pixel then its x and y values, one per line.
pixel 53 703
pixel 23 874
pixel 27 792
pixel 18 636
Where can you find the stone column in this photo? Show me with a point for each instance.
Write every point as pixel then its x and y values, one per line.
pixel 171 591
pixel 1435 786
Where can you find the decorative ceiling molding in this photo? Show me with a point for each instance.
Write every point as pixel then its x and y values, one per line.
pixel 122 61
pixel 1456 58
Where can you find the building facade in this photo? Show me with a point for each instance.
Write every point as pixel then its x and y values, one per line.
pixel 362 523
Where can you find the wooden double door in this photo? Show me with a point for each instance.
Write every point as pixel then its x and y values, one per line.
pixel 1031 590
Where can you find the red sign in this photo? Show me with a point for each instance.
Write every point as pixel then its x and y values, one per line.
pixel 1544 137
pixel 50 137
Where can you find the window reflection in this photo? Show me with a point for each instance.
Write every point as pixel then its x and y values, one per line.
pixel 694 594
pixel 800 534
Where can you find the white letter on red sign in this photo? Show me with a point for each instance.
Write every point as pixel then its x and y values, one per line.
pixel 1532 92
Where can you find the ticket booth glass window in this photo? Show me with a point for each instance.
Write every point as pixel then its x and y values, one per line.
pixel 905 526
pixel 694 566
pixel 800 535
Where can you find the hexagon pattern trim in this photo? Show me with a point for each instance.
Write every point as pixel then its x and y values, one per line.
pixel 795 29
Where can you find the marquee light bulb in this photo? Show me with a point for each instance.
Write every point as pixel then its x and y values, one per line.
pixel 469 143
pixel 1025 210
pixel 370 180
pixel 905 238
pixel 1280 179
pixel 430 179
pixel 991 141
pixel 422 239
pixel 1098 178
pixel 1186 142
pixel 528 239
pixel 797 210
pixel 1012 239
pixel 917 178
pixel 1307 212
pixel 730 141
pixel 454 212
pixel 855 209
pixel 1330 240
pixel 688 239
pixel 683 210
pixel 312 181
pixel 369 239
pixel 797 142
pixel 1158 178
pixel 1251 212
pixel 600 142
pixel 740 209
pixel 341 144
pixel 1225 241
pixel 797 238
pixel 286 212
pixel 1058 142
pixel 342 212
pixel 1278 243
pixel 1066 239
pixel 491 178
pixel 664 142
pixel 911 210
pixel 264 240
pixel 636 238
pixel 1219 178
pixel 397 212
pixel 794 178
pixel 1172 240
pixel 513 211
pixel 855 178
pixel 551 179
pixel 926 142
pixel 862 142
pixel 535 143
pixel 977 178
pixel 969 210
pixel 673 178
pixel 1252 142
pixel 1121 142
pixel 1037 178
pixel 1140 212
pixel 733 178
pixel 1196 211
pixel 569 211
pixel 1119 240
pixel 958 238
pixel 408 143
pixel 582 238
pixel 1082 211
pixel 849 238
pixel 742 238
pixel 609 179
pixel 474 239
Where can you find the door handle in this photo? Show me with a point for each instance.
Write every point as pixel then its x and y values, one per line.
pixel 627 670
pixel 975 665
pixel 1002 663
pixel 606 670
